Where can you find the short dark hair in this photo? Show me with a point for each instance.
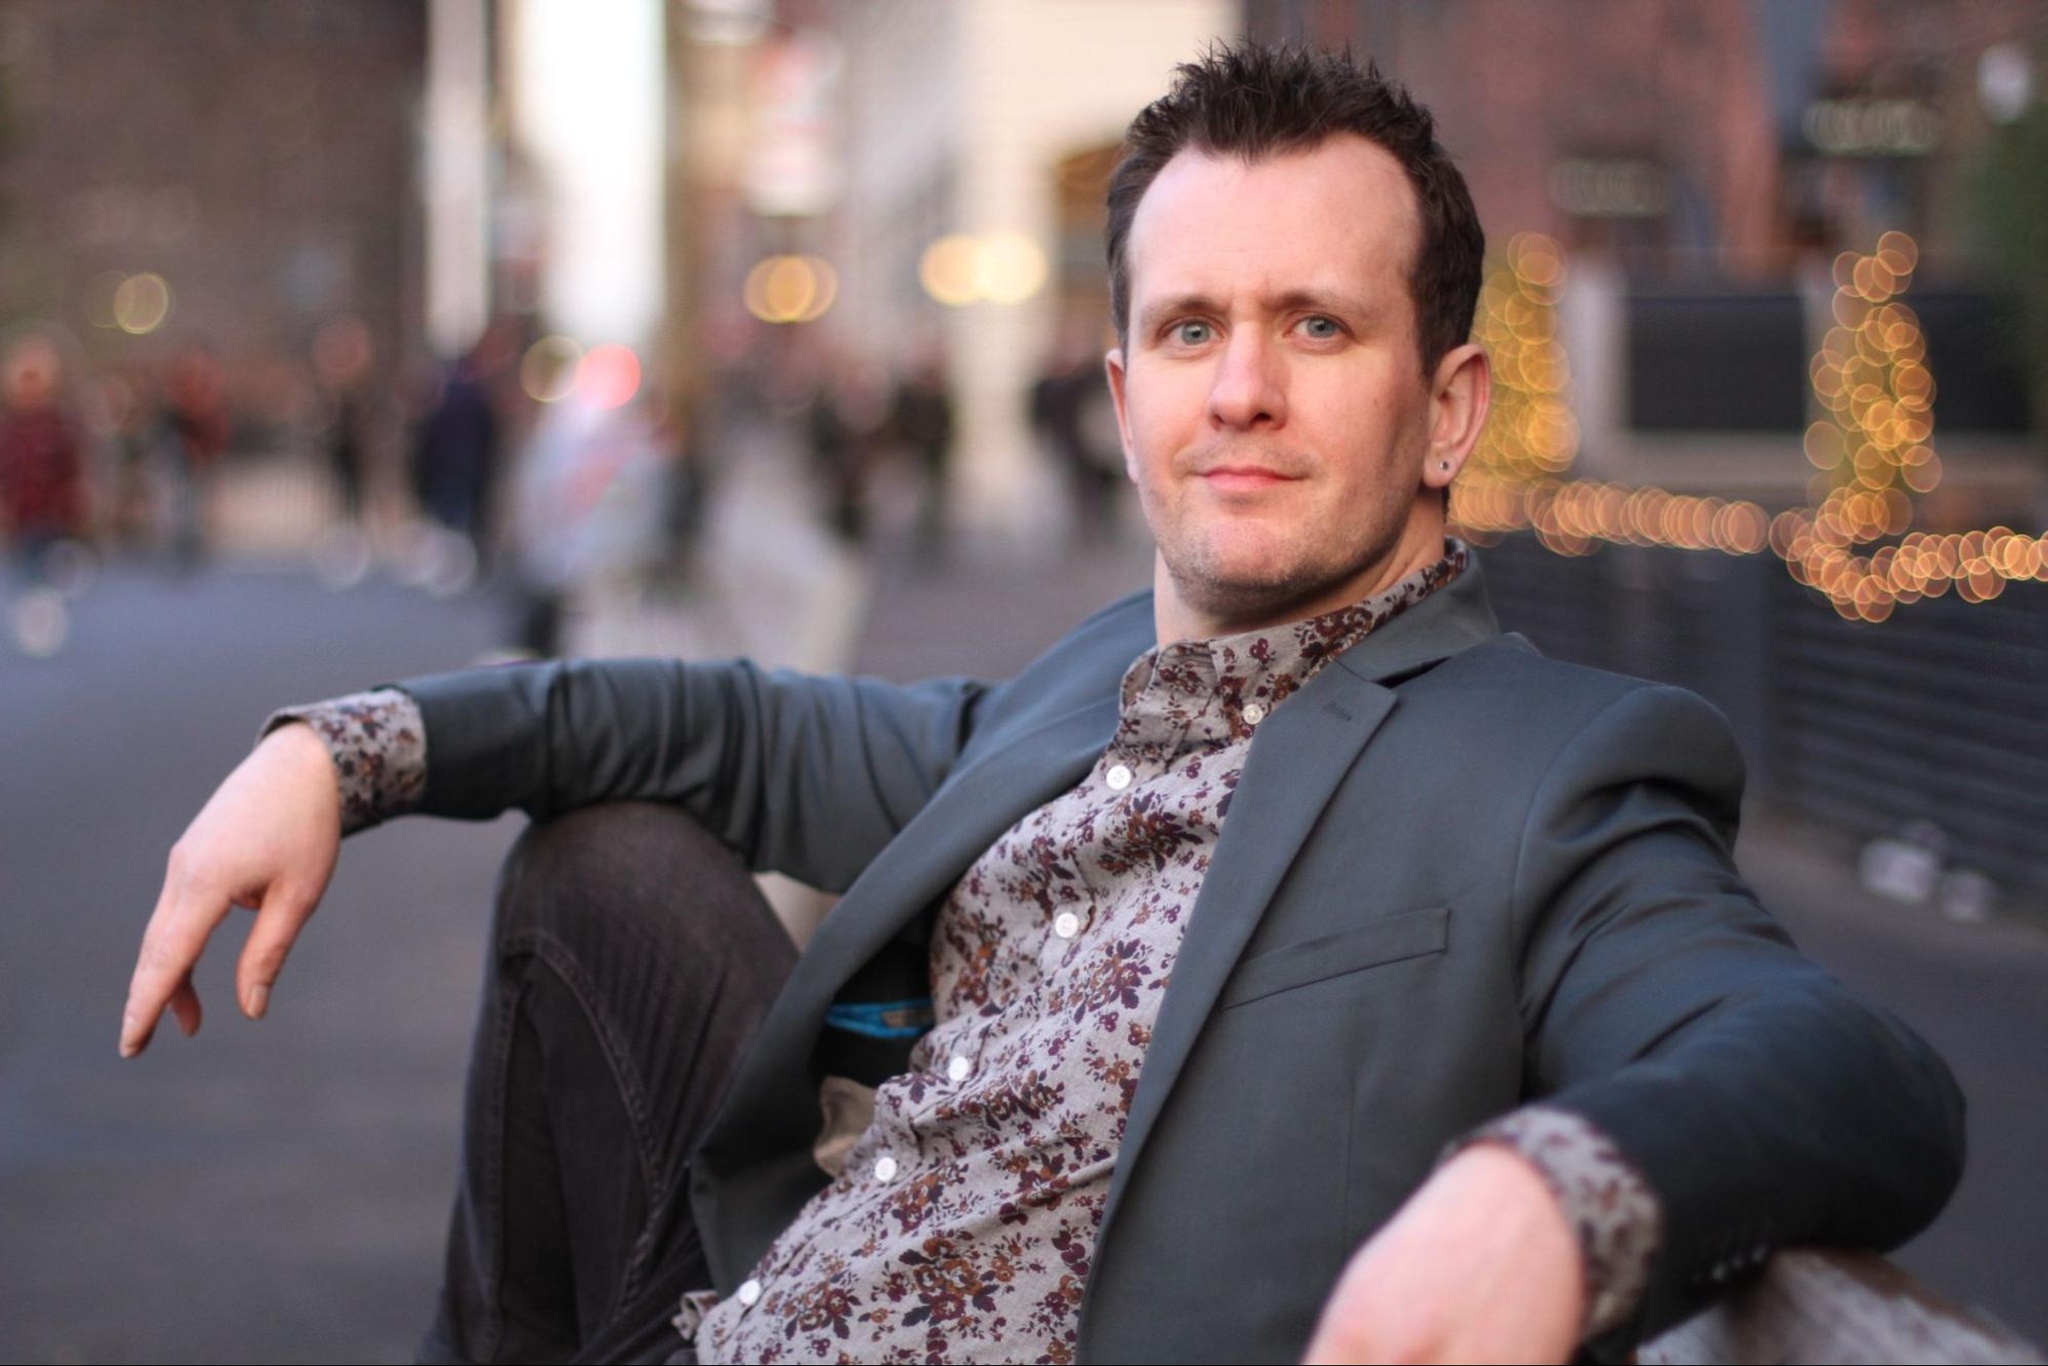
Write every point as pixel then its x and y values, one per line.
pixel 1255 101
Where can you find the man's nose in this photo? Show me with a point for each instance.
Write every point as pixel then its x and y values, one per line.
pixel 1250 388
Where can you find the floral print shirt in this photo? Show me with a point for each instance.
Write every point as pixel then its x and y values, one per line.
pixel 960 1224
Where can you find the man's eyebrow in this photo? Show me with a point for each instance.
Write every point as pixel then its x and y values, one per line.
pixel 1332 300
pixel 1174 306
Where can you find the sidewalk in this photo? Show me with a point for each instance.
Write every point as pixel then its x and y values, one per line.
pixel 767 581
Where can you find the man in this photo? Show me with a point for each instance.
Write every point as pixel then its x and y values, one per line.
pixel 1338 976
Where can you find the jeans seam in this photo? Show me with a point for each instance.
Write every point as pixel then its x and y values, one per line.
pixel 558 958
pixel 502 1025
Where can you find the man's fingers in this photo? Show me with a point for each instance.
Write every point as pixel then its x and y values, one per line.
pixel 138 1023
pixel 177 933
pixel 278 922
pixel 149 989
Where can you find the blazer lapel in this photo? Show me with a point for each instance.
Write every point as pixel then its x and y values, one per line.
pixel 1302 752
pixel 957 827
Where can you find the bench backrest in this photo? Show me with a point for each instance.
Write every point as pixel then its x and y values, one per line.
pixel 1823 1306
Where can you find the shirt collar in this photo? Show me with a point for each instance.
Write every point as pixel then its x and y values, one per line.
pixel 1219 689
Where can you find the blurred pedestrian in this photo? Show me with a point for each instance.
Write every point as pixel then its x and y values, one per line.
pixel 196 420
pixel 847 418
pixel 921 418
pixel 136 493
pixel 589 511
pixel 342 355
pixel 43 495
pixel 1073 413
pixel 455 451
pixel 692 473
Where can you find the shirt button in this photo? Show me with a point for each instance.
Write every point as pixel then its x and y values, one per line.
pixel 1118 778
pixel 1066 924
pixel 885 1169
pixel 750 1294
pixel 1254 712
pixel 958 1069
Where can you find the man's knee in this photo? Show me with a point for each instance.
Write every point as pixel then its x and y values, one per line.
pixel 640 872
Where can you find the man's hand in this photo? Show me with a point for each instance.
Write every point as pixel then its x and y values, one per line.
pixel 1479 1265
pixel 267 840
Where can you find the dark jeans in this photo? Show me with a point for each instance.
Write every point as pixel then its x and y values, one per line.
pixel 632 957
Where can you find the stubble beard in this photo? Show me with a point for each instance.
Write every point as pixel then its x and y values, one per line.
pixel 1206 581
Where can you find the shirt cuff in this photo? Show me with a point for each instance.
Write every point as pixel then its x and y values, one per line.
pixel 379 746
pixel 1611 1208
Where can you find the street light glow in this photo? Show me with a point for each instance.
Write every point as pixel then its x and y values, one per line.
pixel 141 303
pixel 947 270
pixel 547 372
pixel 1010 268
pixel 791 289
pixel 999 268
pixel 608 376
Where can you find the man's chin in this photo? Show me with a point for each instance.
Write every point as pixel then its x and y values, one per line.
pixel 1236 592
pixel 1259 582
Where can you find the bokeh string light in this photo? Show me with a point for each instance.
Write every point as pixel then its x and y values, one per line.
pixel 1872 452
pixel 1532 434
pixel 1514 480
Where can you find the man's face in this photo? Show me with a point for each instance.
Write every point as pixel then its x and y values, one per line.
pixel 1275 416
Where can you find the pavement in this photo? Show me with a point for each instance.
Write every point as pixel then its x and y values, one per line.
pixel 278 1191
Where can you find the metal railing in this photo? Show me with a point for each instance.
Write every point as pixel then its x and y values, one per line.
pixel 1939 714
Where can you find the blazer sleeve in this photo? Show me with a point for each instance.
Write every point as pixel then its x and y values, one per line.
pixel 1764 1103
pixel 807 776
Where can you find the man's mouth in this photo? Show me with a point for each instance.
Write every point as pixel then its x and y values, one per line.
pixel 1244 478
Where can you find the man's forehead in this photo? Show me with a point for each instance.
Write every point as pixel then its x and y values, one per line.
pixel 1343 210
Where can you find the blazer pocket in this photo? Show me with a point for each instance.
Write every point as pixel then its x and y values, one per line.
pixel 1410 934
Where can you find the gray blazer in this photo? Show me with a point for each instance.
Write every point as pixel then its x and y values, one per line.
pixel 1456 876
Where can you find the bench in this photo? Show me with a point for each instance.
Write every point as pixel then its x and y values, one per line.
pixel 1826 1306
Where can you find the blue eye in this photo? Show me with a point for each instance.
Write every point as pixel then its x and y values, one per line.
pixel 1322 329
pixel 1192 333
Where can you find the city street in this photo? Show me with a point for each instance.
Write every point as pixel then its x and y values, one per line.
pixel 278 1191
pixel 375 340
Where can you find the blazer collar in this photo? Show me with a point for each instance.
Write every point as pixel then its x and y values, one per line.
pixel 1454 618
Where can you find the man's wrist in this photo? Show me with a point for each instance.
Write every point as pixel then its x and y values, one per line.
pixel 1613 1213
pixel 377 741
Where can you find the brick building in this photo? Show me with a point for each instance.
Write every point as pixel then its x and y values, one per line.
pixel 1702 163
pixel 256 155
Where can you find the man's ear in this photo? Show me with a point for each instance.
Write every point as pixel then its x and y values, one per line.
pixel 1461 393
pixel 1113 364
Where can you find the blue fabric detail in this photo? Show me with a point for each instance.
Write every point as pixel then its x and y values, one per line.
pixel 908 1019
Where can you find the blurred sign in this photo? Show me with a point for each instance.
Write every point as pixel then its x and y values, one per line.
pixel 1610 187
pixel 2005 81
pixel 1872 128
pixel 793 170
pixel 732 23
